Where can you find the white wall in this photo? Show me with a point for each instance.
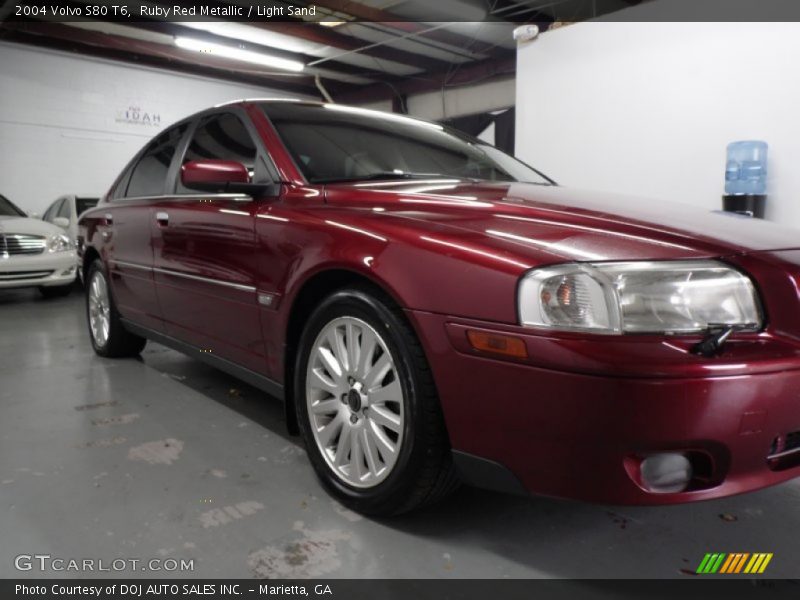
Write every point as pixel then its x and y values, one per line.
pixel 648 108
pixel 488 134
pixel 62 119
pixel 384 105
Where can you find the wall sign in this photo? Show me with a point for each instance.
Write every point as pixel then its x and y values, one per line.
pixel 135 115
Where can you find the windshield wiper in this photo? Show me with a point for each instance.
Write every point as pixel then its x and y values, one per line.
pixel 387 175
pixel 716 336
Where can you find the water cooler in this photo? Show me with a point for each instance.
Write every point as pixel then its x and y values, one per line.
pixel 746 178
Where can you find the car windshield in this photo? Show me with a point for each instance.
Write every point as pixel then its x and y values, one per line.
pixel 8 209
pixel 84 204
pixel 331 143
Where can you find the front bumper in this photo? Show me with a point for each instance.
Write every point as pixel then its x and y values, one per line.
pixel 46 269
pixel 573 426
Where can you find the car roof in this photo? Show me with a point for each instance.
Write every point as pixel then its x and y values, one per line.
pixel 268 100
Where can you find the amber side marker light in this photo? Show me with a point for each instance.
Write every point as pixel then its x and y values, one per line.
pixel 496 343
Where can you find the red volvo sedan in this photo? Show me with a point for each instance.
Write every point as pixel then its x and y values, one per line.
pixel 431 310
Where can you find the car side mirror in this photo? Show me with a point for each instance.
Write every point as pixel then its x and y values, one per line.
pixel 62 222
pixel 221 176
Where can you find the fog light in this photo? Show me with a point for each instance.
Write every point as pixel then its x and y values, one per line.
pixel 666 473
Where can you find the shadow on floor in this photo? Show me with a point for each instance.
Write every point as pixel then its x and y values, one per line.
pixel 220 387
pixel 27 295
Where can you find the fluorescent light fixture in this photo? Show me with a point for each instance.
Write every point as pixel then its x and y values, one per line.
pixel 238 54
pixel 241 32
pixel 332 23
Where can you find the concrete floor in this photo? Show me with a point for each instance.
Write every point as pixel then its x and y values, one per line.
pixel 165 457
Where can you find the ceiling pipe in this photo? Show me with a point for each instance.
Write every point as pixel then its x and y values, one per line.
pixel 376 44
pixel 322 90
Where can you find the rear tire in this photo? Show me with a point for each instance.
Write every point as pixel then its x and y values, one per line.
pixel 380 396
pixel 109 337
pixel 56 291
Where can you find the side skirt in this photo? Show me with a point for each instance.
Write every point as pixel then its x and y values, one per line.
pixel 265 384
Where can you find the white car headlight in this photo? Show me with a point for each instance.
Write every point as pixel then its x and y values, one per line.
pixel 639 297
pixel 58 243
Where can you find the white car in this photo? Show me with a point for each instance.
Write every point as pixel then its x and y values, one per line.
pixel 65 211
pixel 34 253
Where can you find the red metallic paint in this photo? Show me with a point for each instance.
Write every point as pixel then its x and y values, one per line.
pixel 127 240
pixel 204 172
pixel 569 434
pixel 572 419
pixel 212 238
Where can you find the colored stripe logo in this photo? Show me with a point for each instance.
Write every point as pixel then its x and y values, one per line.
pixel 733 563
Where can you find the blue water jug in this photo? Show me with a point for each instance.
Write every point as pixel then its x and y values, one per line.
pixel 746 169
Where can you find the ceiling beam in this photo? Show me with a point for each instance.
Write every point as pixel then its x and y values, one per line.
pixel 60 36
pixel 313 32
pixel 473 73
pixel 442 39
pixel 176 29
pixel 383 17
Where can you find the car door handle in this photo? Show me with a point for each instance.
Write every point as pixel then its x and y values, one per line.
pixel 162 218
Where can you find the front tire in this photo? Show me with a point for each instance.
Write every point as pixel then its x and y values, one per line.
pixel 109 337
pixel 367 406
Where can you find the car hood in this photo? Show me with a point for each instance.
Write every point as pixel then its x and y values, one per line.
pixel 25 225
pixel 539 221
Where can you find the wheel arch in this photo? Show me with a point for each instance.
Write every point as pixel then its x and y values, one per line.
pixel 317 286
pixel 90 253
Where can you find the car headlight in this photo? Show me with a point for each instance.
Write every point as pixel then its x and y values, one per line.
pixel 639 297
pixel 58 243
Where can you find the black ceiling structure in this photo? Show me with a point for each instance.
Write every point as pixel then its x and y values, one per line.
pixel 353 50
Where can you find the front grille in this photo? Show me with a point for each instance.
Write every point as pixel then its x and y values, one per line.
pixel 15 244
pixel 23 275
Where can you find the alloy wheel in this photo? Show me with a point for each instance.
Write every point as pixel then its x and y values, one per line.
pixel 355 402
pixel 99 309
